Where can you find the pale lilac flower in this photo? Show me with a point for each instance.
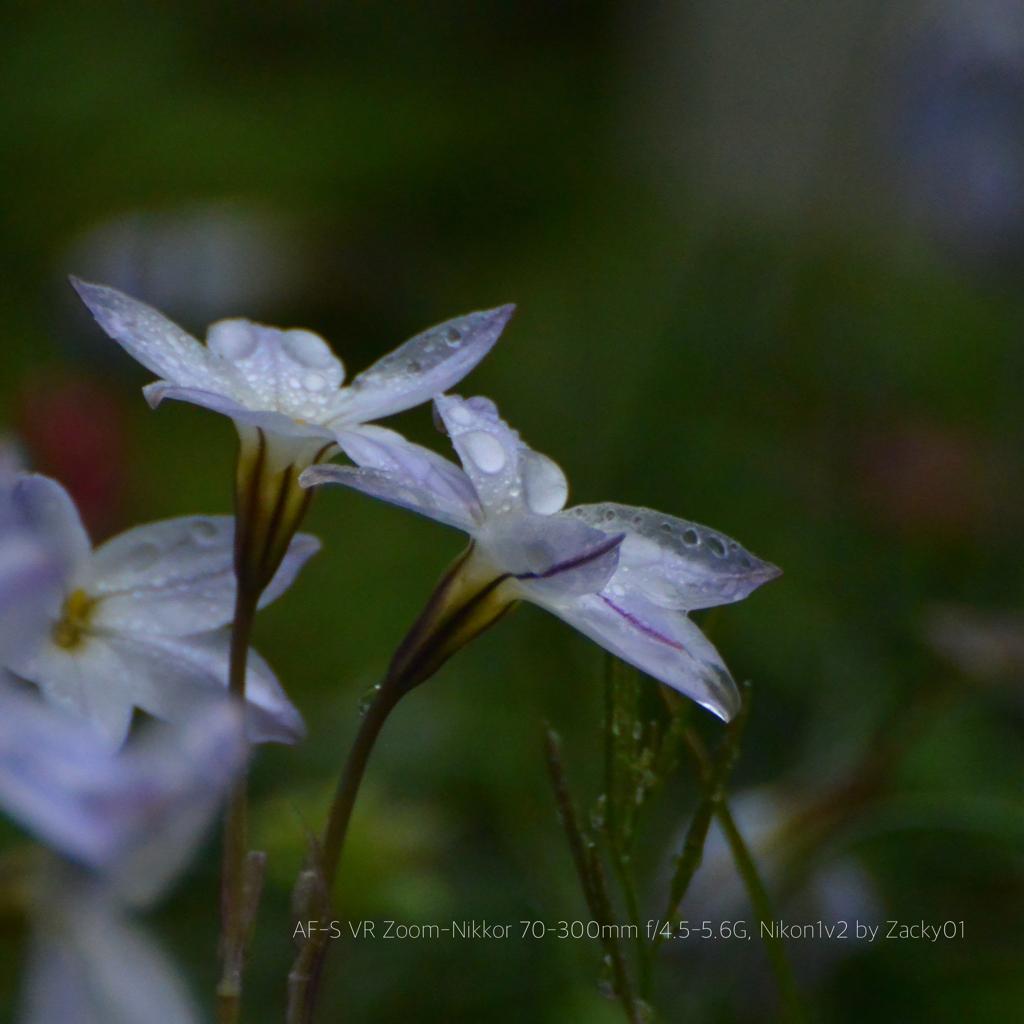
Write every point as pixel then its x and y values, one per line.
pixel 283 389
pixel 124 824
pixel 141 621
pixel 626 577
pixel 288 383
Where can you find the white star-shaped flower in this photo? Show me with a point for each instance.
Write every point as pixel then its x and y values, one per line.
pixel 625 577
pixel 289 383
pixel 124 824
pixel 140 621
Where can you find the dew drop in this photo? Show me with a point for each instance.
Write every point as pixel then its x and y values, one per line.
pixel 460 415
pixel 609 516
pixel 666 527
pixel 544 483
pixel 232 339
pixel 691 538
pixel 415 366
pixel 203 531
pixel 308 348
pixel 485 450
pixel 716 546
pixel 143 556
pixel 313 382
pixel 453 336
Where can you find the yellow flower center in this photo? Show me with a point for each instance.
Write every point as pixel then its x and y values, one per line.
pixel 70 629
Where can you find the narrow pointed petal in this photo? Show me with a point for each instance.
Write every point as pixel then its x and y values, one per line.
pixel 426 365
pixel 158 343
pixel 270 421
pixel 406 474
pixel 676 564
pixel 508 475
pixel 663 643
pixel 47 511
pixel 176 577
pixel 172 673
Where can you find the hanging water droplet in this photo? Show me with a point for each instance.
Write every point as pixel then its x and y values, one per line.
pixel 485 450
pixel 544 483
pixel 367 699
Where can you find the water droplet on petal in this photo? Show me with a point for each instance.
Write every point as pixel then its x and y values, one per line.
pixel 203 531
pixel 544 482
pixel 313 382
pixel 691 537
pixel 460 415
pixel 716 546
pixel 143 556
pixel 453 336
pixel 308 348
pixel 232 339
pixel 485 450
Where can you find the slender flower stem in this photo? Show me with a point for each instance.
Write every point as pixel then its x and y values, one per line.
pixel 304 979
pixel 591 876
pixel 792 1004
pixel 714 774
pixel 236 916
pixel 620 857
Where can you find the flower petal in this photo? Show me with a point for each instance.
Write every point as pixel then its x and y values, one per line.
pixel 673 563
pixel 507 474
pixel 48 760
pixel 268 420
pixel 47 511
pixel 406 474
pixel 425 366
pixel 551 557
pixel 177 577
pixel 293 372
pixel 663 643
pixel 91 682
pixel 86 965
pixel 171 673
pixel 158 343
pixel 135 814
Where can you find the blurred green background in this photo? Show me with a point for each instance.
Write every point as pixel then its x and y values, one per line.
pixel 768 266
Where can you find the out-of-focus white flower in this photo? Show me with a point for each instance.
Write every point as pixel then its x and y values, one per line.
pixel 124 823
pixel 819 893
pixel 30 569
pixel 140 621
pixel 626 577
pixel 289 383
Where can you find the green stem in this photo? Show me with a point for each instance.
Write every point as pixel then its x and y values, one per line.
pixel 619 855
pixel 792 1004
pixel 713 778
pixel 591 876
